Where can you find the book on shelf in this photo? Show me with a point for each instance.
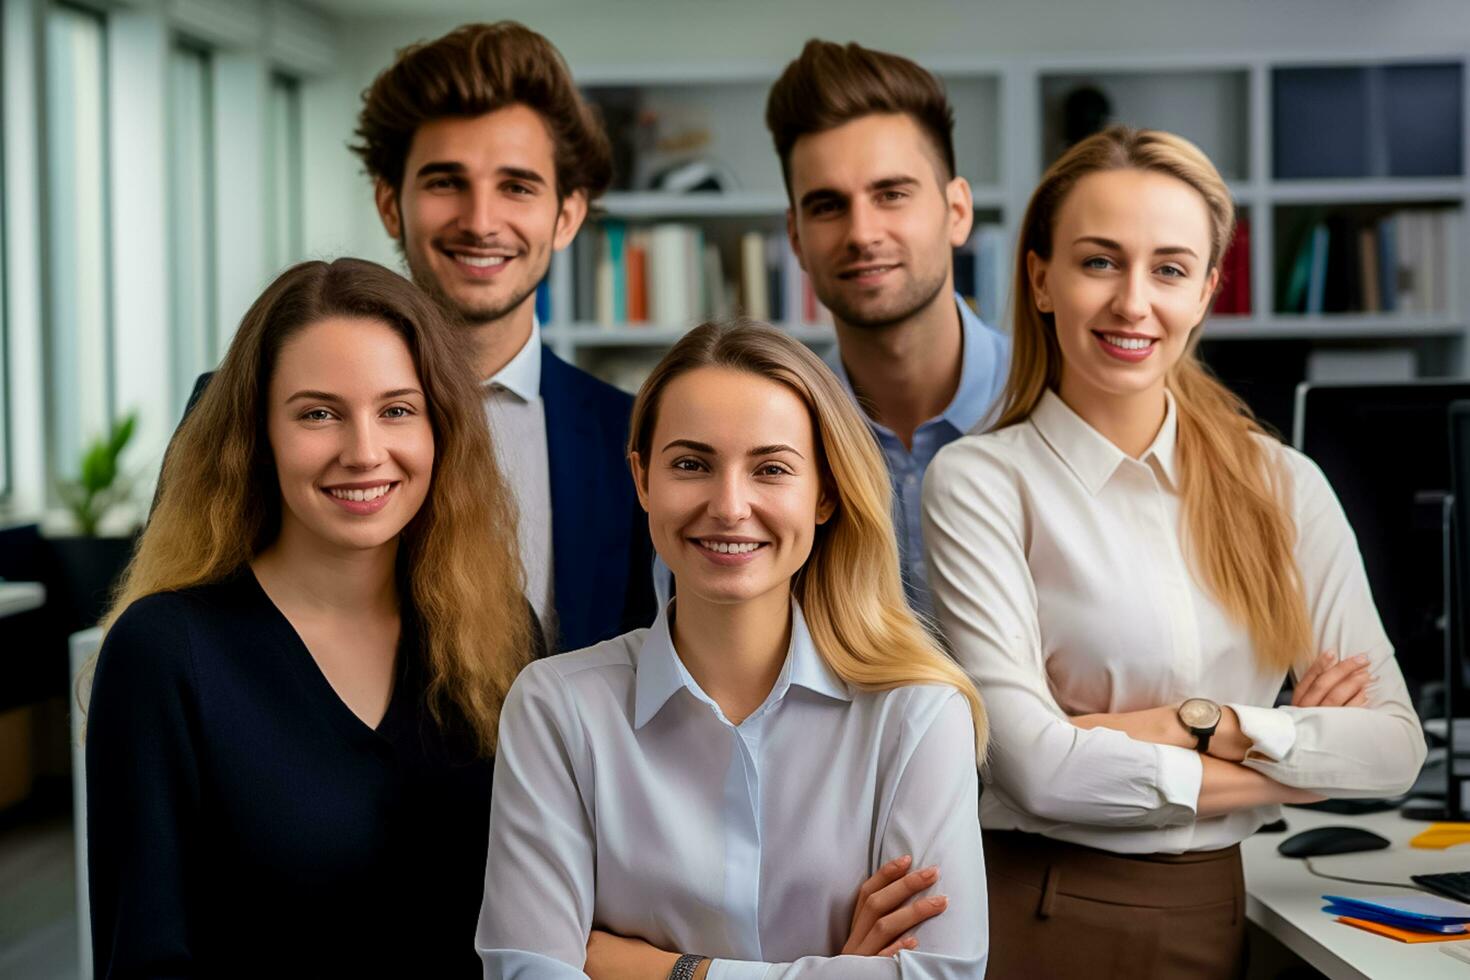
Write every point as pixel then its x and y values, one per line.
pixel 980 269
pixel 669 275
pixel 1350 262
pixel 1234 295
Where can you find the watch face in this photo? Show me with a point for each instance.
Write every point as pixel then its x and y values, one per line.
pixel 1199 713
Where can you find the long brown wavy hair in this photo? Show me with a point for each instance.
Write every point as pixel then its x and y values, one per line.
pixel 849 588
pixel 1238 527
pixel 458 570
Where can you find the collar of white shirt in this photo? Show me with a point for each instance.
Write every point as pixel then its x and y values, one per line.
pixel 1088 453
pixel 522 376
pixel 661 674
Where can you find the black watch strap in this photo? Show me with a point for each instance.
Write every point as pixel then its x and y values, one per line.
pixel 1203 735
pixel 685 966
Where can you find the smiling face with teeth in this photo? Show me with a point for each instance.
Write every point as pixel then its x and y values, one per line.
pixel 875 219
pixel 479 215
pixel 733 486
pixel 350 435
pixel 1128 281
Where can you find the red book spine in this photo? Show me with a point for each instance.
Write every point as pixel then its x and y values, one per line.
pixel 637 263
pixel 1235 291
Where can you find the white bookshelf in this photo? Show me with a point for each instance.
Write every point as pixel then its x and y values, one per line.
pixel 1004 135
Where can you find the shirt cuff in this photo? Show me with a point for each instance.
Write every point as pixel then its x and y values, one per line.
pixel 1272 732
pixel 736 970
pixel 1180 775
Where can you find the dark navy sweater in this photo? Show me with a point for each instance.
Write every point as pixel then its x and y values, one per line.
pixel 243 821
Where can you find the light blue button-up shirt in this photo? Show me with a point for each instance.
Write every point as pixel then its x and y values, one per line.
pixel 626 801
pixel 985 361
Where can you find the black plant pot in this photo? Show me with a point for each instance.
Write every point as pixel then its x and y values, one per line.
pixel 87 569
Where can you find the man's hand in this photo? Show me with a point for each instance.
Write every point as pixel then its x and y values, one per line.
pixel 880 918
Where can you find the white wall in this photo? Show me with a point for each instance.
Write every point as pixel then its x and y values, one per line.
pixel 603 37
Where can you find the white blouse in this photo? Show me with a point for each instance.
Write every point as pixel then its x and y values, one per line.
pixel 626 801
pixel 1061 584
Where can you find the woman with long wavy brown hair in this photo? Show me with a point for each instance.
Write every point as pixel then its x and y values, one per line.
pixel 296 701
pixel 1129 565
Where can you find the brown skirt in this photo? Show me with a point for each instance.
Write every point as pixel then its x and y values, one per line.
pixel 1067 911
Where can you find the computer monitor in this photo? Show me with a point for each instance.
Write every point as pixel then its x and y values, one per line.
pixel 1385 448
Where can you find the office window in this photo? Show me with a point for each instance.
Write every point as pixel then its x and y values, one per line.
pixel 78 338
pixel 191 219
pixel 285 243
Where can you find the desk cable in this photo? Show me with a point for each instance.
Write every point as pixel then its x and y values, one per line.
pixel 1364 881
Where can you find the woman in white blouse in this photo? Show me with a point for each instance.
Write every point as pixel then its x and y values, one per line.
pixel 1128 566
pixel 703 797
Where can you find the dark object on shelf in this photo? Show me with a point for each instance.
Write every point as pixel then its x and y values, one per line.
pixel 1451 884
pixel 1421 115
pixel 1402 120
pixel 1330 840
pixel 699 176
pixel 1319 122
pixel 619 107
pixel 1085 111
pixel 1274 827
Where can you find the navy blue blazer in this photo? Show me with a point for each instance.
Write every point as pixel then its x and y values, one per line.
pixel 602 558
pixel 601 555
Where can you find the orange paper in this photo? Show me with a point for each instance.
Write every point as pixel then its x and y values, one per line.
pixel 1405 935
pixel 1439 836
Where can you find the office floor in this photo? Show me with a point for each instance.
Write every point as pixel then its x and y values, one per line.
pixel 38 929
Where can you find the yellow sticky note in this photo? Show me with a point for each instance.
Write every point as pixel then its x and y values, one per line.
pixel 1439 836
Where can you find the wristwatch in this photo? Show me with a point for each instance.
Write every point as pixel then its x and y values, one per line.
pixel 1201 716
pixel 685 966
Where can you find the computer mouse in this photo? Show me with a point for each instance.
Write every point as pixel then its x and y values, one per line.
pixel 1331 840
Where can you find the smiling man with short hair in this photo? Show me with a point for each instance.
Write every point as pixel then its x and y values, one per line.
pixel 876 208
pixel 484 159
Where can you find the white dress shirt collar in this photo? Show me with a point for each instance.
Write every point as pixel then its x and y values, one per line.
pixel 661 674
pixel 522 376
pixel 1088 453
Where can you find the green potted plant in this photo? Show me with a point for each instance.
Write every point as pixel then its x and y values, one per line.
pixel 88 561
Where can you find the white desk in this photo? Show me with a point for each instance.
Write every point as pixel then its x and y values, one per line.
pixel 19 597
pixel 1285 900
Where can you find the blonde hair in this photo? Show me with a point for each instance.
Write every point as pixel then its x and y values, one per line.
pixel 849 588
pixel 457 568
pixel 1238 528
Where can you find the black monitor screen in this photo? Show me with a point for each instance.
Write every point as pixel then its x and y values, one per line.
pixel 1385 450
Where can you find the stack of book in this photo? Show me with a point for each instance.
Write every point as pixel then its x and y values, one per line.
pixel 1397 263
pixel 773 286
pixel 669 275
pixel 1406 918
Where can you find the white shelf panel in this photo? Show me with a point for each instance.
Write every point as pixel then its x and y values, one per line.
pixel 1368 190
pixel 653 335
pixel 654 204
pixel 1336 326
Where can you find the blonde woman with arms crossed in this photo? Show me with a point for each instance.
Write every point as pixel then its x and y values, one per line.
pixel 1128 566
pixel 702 798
